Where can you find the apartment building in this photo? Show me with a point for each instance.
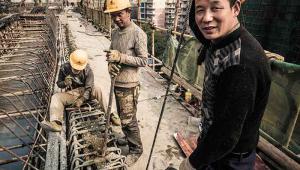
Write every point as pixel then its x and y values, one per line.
pixel 170 9
pixel 153 10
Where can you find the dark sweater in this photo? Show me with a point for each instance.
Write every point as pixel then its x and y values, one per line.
pixel 240 94
pixel 85 79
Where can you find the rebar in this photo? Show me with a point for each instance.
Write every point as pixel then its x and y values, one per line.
pixel 28 65
pixel 87 128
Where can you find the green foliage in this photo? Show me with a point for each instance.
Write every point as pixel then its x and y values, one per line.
pixel 160 40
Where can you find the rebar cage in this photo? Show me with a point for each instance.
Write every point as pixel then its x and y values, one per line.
pixel 29 48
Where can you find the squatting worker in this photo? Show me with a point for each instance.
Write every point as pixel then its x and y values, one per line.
pixel 235 90
pixel 77 78
pixel 128 52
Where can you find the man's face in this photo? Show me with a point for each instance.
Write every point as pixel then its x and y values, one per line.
pixel 215 18
pixel 121 18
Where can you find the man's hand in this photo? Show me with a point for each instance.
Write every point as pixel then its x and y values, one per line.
pixel 113 56
pixel 186 165
pixel 274 56
pixel 78 102
pixel 68 81
pixel 113 69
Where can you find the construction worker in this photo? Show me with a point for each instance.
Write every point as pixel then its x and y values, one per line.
pixel 128 52
pixel 235 90
pixel 77 78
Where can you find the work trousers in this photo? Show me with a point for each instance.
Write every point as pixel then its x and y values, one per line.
pixel 231 162
pixel 126 100
pixel 62 99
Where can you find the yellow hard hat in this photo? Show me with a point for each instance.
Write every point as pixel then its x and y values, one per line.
pixel 116 5
pixel 78 59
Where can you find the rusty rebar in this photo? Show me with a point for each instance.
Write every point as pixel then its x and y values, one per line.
pixel 18 157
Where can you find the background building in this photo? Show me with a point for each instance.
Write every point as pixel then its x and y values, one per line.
pixel 153 10
pixel 170 9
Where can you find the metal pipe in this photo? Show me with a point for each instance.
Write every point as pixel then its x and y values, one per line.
pixel 279 146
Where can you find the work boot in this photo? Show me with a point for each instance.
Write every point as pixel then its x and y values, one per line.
pixel 122 141
pixel 115 119
pixel 51 126
pixel 131 159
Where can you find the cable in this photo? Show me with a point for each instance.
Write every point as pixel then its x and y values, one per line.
pixel 169 81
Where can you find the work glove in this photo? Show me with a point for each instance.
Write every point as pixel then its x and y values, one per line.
pixel 113 69
pixel 78 102
pixel 186 165
pixel 274 56
pixel 68 81
pixel 113 56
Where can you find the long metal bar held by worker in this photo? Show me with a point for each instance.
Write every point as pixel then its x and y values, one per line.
pixel 111 92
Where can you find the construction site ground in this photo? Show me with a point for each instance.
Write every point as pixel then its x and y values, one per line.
pixel 166 151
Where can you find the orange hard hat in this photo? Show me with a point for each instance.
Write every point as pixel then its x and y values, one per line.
pixel 116 5
pixel 78 59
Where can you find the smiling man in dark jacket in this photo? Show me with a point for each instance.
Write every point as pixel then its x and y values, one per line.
pixel 235 90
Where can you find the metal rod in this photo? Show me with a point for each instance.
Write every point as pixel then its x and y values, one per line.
pixel 15 155
pixel 24 143
pixel 111 93
pixel 21 101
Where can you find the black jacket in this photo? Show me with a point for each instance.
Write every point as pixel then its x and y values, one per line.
pixel 241 91
pixel 84 79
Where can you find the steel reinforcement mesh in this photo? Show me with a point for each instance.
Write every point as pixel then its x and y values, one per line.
pixel 28 61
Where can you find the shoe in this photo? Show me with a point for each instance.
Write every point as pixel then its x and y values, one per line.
pixel 51 126
pixel 115 119
pixel 122 141
pixel 131 159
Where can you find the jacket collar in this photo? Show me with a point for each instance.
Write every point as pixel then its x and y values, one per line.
pixel 128 28
pixel 230 38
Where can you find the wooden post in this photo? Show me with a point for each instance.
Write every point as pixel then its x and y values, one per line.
pixel 291 127
pixel 176 15
pixel 152 40
pixel 109 26
pixel 139 13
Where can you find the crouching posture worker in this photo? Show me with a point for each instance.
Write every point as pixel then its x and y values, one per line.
pixel 236 87
pixel 129 51
pixel 77 78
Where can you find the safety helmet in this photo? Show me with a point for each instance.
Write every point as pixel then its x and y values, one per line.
pixel 116 5
pixel 78 59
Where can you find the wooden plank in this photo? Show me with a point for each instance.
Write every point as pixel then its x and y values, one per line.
pixel 187 150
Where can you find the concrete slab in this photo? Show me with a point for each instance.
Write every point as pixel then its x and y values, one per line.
pixel 166 150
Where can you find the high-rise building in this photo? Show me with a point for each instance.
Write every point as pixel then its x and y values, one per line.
pixel 162 12
pixel 170 10
pixel 153 10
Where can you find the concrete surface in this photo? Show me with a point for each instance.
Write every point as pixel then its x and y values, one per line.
pixel 166 150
